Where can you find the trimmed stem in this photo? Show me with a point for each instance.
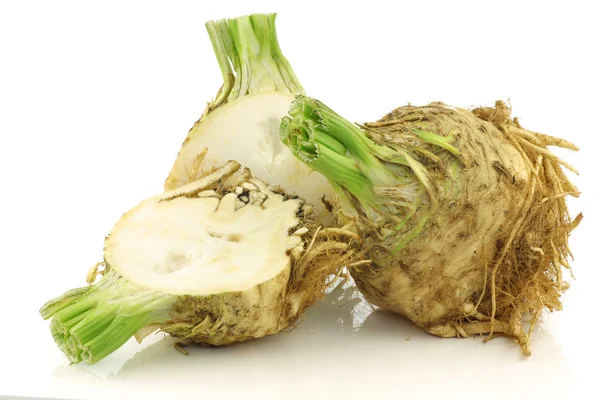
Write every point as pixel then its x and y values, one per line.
pixel 327 123
pixel 342 152
pixel 91 322
pixel 250 59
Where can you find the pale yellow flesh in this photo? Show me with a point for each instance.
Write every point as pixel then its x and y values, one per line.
pixel 247 130
pixel 203 245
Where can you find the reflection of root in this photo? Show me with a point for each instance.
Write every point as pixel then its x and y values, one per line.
pixel 510 329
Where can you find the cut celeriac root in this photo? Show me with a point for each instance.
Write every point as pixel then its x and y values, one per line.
pixel 220 260
pixel 242 123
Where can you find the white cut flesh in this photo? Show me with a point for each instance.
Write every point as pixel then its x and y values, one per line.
pixel 247 130
pixel 203 245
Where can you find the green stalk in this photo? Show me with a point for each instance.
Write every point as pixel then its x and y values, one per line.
pixel 223 48
pixel 325 123
pixel 284 66
pixel 326 155
pixel 91 322
pixel 343 153
pixel 250 59
pixel 383 184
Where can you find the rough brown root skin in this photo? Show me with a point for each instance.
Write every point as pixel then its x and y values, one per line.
pixel 510 190
pixel 528 274
pixel 477 328
pixel 230 317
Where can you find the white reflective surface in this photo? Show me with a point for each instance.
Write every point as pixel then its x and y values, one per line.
pixel 342 346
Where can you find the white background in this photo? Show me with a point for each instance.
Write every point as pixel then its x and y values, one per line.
pixel 96 97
